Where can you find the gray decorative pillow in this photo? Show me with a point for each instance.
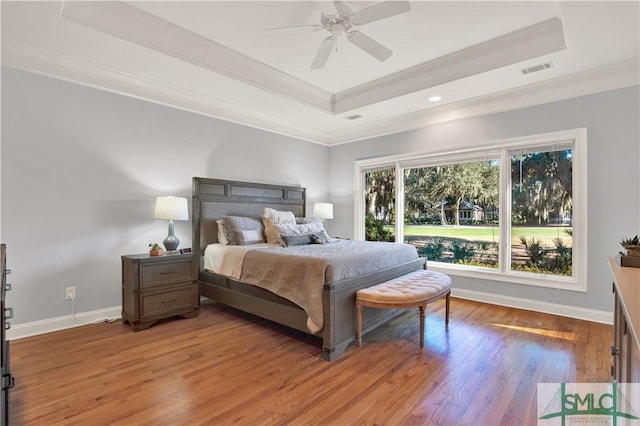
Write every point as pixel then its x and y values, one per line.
pixel 320 237
pixel 323 238
pixel 233 226
pixel 296 240
pixel 294 229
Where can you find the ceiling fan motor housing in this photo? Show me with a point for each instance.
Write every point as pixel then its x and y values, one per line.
pixel 336 24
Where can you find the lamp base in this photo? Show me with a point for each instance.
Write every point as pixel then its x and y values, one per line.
pixel 171 242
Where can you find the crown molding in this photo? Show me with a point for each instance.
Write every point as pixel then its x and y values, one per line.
pixel 137 26
pixel 27 57
pixel 531 42
pixel 62 66
pixel 623 74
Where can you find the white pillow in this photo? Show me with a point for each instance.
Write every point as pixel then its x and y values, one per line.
pixel 249 236
pixel 278 217
pixel 271 218
pixel 222 233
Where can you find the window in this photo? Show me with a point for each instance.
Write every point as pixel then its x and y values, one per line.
pixel 514 211
pixel 451 211
pixel 380 201
pixel 541 209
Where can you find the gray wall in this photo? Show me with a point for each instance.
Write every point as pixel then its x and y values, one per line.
pixel 80 172
pixel 80 169
pixel 612 122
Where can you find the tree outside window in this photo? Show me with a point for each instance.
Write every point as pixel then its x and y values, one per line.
pixel 380 205
pixel 541 212
pixel 510 209
pixel 451 212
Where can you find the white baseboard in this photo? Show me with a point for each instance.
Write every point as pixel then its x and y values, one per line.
pixel 34 328
pixel 20 331
pixel 535 305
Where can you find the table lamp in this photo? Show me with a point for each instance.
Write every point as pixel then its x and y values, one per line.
pixel 323 210
pixel 171 208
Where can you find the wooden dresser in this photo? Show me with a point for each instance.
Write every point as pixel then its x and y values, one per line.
pixel 157 287
pixel 626 323
pixel 6 313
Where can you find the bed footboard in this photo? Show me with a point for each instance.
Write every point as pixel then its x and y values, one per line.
pixel 339 304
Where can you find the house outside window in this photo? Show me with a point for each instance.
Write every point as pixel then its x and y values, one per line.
pixel 513 211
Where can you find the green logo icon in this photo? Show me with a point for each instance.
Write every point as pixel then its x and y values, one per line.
pixel 588 402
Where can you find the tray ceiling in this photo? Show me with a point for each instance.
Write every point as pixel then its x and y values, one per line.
pixel 215 58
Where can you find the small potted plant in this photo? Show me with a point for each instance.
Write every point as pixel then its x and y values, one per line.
pixel 155 250
pixel 632 246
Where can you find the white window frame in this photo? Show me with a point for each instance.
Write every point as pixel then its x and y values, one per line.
pixel 578 282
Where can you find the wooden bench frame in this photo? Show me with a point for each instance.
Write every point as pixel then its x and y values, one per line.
pixel 420 304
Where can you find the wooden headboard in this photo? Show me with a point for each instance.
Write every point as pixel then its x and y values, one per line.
pixel 213 198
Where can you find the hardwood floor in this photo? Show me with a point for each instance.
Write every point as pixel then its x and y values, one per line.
pixel 225 367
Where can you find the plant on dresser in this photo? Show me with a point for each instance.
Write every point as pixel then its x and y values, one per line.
pixel 157 287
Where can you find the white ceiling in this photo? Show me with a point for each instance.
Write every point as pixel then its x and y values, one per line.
pixel 214 58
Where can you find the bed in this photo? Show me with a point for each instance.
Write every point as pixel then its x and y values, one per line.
pixel 214 198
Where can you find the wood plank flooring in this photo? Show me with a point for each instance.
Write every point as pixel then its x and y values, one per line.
pixel 225 367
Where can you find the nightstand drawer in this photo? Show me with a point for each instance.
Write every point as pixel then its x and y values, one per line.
pixel 157 287
pixel 181 299
pixel 152 275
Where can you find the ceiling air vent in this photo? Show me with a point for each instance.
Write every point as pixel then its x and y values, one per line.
pixel 536 68
pixel 353 117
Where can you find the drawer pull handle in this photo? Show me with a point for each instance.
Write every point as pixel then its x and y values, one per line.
pixel 168 301
pixel 8 313
pixel 7 287
pixel 7 271
pixel 614 351
pixel 11 381
pixel 7 325
pixel 168 272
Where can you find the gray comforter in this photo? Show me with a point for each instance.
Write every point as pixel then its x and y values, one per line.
pixel 299 273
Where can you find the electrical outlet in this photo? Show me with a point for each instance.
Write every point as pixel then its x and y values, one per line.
pixel 71 293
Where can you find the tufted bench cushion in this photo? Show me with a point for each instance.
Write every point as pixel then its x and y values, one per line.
pixel 414 289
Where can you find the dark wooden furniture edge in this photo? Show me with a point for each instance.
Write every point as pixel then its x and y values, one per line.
pixel 135 298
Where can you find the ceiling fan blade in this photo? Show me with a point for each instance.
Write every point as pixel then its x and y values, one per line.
pixel 369 45
pixel 384 9
pixel 315 27
pixel 343 9
pixel 323 53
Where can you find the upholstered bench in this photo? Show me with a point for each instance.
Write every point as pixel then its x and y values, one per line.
pixel 414 289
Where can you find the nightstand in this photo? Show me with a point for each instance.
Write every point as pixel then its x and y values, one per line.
pixel 157 287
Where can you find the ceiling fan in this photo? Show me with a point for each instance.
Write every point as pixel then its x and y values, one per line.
pixel 344 22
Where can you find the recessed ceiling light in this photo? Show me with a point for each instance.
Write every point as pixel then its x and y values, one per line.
pixel 435 98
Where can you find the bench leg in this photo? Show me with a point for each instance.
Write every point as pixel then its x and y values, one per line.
pixel 359 324
pixel 422 308
pixel 446 315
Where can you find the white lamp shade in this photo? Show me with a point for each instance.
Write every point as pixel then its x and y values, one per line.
pixel 323 210
pixel 171 208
